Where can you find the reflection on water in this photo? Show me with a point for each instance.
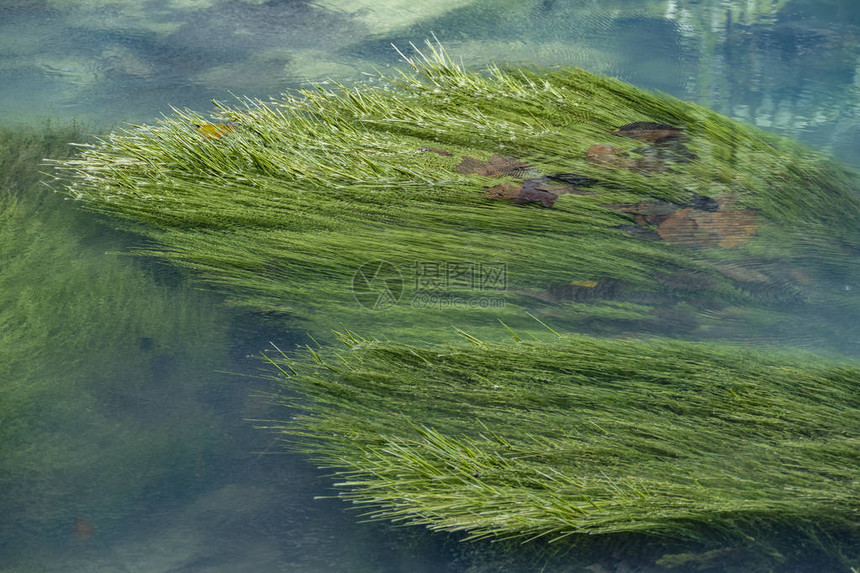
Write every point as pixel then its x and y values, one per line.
pixel 785 65
pixel 132 454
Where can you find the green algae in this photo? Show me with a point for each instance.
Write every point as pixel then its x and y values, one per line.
pixel 561 440
pixel 99 366
pixel 284 209
pixel 578 437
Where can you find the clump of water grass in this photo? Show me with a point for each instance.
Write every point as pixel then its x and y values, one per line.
pixel 99 366
pixel 288 198
pixel 576 437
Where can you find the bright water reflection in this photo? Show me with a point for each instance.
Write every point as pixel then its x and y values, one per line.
pixel 790 66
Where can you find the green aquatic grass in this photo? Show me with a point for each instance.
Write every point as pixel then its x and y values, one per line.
pixel 282 211
pixel 99 366
pixel 526 440
pixel 573 437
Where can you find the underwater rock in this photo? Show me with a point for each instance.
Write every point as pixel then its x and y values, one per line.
pixel 713 559
pixel 665 146
pixel 547 184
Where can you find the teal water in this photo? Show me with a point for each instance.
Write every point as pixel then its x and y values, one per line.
pixel 135 454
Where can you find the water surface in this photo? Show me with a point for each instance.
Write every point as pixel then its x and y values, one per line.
pixel 136 455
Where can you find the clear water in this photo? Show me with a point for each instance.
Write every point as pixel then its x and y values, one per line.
pixel 170 373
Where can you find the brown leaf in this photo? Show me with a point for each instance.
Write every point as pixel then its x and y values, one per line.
pixel 611 156
pixel 573 179
pixel 639 232
pixel 742 274
pixel 545 198
pixel 649 164
pixel 503 191
pixel 550 186
pixel 434 150
pixel 704 203
pixel 737 227
pixel 215 130
pixel 645 208
pixel 646 212
pixel 726 201
pixel 608 156
pixel 724 229
pixel 522 194
pixel 649 132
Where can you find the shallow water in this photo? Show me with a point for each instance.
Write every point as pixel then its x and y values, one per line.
pixel 137 456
